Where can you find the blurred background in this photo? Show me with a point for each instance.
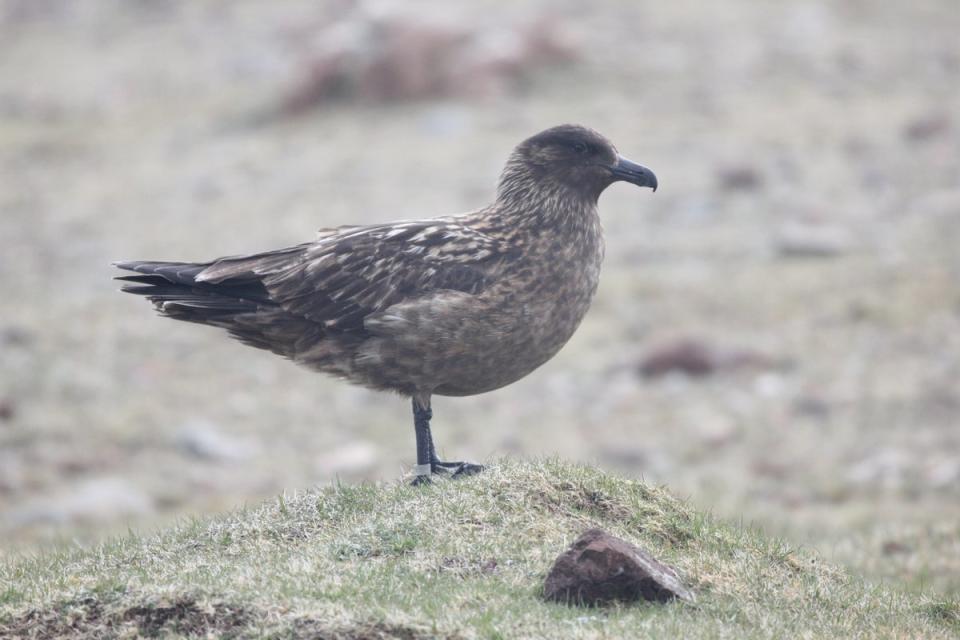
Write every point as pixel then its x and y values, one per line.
pixel 777 331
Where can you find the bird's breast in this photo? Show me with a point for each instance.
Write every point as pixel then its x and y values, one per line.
pixel 555 289
pixel 530 313
pixel 458 343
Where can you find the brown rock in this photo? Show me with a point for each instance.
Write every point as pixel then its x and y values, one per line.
pixel 928 127
pixel 739 178
pixel 7 410
pixel 399 56
pixel 688 356
pixel 804 240
pixel 599 569
pixel 15 336
pixel 893 548
pixel 696 357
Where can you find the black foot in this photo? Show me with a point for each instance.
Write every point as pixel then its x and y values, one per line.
pixel 456 469
pixel 420 481
pixel 468 469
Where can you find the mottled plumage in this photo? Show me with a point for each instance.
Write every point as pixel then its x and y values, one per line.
pixel 452 306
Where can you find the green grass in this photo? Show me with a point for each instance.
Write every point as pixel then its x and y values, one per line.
pixel 460 558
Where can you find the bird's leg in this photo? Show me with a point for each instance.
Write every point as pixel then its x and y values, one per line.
pixel 425 453
pixel 427 461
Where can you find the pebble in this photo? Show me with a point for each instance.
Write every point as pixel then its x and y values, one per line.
pixel 205 441
pixel 812 241
pixel 94 500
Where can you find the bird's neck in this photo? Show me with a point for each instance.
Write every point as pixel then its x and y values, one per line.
pixel 529 203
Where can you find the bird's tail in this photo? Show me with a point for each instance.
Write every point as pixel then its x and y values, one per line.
pixel 174 290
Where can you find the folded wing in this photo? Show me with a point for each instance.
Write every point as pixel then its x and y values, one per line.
pixel 287 300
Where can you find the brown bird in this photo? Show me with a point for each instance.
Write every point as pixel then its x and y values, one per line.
pixel 453 306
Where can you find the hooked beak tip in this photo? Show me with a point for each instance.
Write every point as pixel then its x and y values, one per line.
pixel 634 173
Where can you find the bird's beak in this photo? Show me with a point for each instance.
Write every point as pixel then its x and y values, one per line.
pixel 633 173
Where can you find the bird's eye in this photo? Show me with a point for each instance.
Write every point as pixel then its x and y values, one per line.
pixel 580 148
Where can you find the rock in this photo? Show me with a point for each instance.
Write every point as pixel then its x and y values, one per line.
pixel 812 241
pixel 944 473
pixel 94 500
pixel 716 430
pixel 16 336
pixel 928 127
pixel 7 410
pixel 739 178
pixel 599 569
pixel 695 357
pixel 203 440
pixel 687 356
pixel 885 469
pixel 391 56
pixel 894 547
pixel 811 406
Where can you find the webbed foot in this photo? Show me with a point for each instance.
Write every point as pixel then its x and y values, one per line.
pixel 456 469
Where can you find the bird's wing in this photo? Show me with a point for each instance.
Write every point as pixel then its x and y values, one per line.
pixel 349 273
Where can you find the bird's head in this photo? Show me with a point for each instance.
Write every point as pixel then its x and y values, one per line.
pixel 571 159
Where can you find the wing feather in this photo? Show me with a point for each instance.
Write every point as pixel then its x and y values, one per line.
pixel 347 274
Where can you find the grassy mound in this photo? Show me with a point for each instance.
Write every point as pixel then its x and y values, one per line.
pixel 457 559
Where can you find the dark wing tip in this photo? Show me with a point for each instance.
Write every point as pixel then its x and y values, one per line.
pixel 132 265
